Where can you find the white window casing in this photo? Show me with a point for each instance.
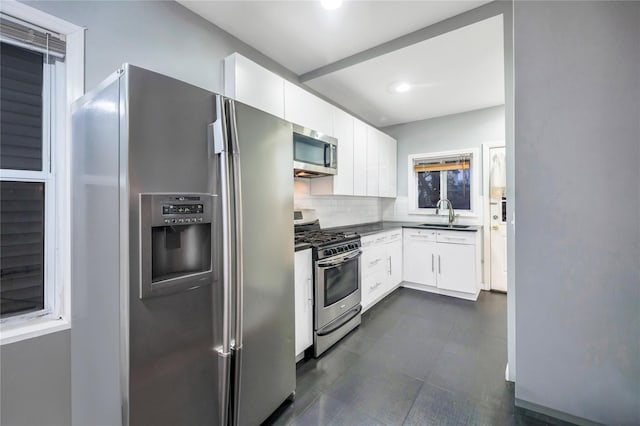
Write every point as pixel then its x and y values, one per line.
pixel 475 176
pixel 67 83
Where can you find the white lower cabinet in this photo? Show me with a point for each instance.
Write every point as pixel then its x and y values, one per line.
pixel 419 263
pixel 303 301
pixel 456 270
pixel 381 266
pixel 442 261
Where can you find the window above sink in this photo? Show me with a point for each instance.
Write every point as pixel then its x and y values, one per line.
pixel 451 175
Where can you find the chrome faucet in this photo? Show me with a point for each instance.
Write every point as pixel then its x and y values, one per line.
pixel 452 216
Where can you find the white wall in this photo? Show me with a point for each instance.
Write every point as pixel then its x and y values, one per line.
pixel 457 131
pixel 337 210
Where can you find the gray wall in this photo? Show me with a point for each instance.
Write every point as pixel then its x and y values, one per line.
pixel 466 130
pixel 577 149
pixel 159 35
pixel 36 381
pixel 162 36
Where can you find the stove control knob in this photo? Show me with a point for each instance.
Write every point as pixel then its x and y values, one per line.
pixel 327 252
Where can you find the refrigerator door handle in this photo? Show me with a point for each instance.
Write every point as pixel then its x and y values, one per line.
pixel 236 187
pixel 218 132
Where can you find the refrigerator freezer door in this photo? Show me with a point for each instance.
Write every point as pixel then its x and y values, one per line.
pixel 267 352
pixel 172 362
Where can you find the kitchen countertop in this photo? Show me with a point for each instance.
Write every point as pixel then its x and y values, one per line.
pixel 301 246
pixel 377 227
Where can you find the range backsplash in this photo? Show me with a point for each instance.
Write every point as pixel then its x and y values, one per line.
pixel 337 210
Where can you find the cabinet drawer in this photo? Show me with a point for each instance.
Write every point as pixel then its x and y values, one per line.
pixel 372 287
pixel 373 240
pixel 394 236
pixel 373 260
pixel 420 235
pixel 456 237
pixel 368 241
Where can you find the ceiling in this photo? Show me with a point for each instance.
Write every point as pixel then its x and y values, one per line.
pixel 454 72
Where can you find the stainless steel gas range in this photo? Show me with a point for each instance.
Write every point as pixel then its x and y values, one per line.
pixel 336 279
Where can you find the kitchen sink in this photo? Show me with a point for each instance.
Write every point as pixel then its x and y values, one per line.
pixel 444 226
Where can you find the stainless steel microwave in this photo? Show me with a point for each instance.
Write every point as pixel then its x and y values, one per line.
pixel 314 154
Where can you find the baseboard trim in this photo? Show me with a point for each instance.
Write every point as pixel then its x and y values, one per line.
pixel 549 414
pixel 430 289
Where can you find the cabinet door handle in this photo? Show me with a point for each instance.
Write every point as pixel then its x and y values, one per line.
pixel 439 266
pixel 455 238
pixel 432 261
pixel 389 265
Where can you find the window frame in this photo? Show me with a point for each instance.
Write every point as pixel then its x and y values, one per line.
pixel 412 186
pixel 67 77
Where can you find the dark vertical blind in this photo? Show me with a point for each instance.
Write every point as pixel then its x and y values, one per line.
pixel 21 76
pixel 21 247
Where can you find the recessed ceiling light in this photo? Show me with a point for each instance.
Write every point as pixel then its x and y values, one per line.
pixel 399 87
pixel 331 4
pixel 402 87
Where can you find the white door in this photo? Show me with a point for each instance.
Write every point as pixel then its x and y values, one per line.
pixel 498 233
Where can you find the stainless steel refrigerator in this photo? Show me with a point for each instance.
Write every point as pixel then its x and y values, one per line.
pixel 182 284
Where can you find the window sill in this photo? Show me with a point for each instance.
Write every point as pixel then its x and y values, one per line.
pixel 11 333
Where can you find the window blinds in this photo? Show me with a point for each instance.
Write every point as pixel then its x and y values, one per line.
pixel 442 166
pixel 20 108
pixel 19 33
pixel 22 247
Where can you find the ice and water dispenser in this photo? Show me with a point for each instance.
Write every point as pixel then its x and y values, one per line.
pixel 175 242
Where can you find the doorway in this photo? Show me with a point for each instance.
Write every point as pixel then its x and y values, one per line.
pixel 495 222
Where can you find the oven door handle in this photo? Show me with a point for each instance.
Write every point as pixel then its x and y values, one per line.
pixel 335 261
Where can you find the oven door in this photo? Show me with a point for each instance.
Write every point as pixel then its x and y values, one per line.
pixel 337 286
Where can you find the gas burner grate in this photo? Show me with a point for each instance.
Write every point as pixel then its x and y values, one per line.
pixel 319 238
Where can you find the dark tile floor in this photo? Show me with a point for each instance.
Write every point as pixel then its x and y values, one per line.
pixel 417 359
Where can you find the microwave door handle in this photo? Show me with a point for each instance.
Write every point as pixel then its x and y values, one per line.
pixel 327 153
pixel 333 156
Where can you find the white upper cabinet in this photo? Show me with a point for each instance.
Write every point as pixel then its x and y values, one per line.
pixel 366 157
pixel 342 183
pixel 374 143
pixel 248 82
pixel 359 157
pixel 307 110
pixel 387 166
pixel 381 164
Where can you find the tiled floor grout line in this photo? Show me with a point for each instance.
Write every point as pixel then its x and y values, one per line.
pixel 413 403
pixel 401 319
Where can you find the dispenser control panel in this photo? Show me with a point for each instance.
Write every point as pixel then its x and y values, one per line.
pixel 177 209
pixel 171 209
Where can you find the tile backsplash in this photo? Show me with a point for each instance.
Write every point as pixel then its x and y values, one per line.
pixel 337 210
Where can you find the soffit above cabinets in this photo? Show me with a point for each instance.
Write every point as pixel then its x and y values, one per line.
pixel 456 71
